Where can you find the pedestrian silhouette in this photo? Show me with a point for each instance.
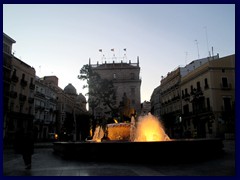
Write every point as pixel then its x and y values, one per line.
pixel 24 144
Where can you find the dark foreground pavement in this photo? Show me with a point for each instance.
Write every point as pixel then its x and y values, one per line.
pixel 46 163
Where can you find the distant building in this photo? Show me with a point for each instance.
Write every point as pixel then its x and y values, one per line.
pixel 156 102
pixel 145 108
pixel 126 81
pixel 170 101
pixel 73 116
pixel 59 111
pixel 45 109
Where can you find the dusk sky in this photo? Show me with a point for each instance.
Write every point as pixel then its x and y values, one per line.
pixel 59 39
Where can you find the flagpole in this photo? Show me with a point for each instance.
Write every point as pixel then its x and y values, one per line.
pixel 113 53
pixel 101 51
pixel 125 55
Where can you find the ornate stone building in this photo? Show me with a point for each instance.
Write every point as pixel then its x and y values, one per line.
pixel 126 81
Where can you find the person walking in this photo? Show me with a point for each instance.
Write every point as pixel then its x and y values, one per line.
pixel 25 146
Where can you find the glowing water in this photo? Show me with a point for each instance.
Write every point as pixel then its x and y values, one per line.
pixel 98 134
pixel 149 128
pixel 118 131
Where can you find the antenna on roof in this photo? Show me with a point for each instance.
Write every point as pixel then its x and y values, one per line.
pixel 209 53
pixel 125 54
pixel 186 57
pixel 197 48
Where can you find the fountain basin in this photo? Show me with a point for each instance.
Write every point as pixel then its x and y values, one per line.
pixel 153 152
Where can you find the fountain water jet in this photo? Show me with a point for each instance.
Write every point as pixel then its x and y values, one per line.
pixel 149 128
pixel 98 134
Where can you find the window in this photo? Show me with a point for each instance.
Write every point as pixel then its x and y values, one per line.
pixel 198 86
pixel 11 106
pixel 23 76
pixel 6 48
pixel 227 104
pixel 206 83
pixel 191 89
pixel 114 76
pixel 132 76
pixel 21 108
pixel 185 109
pixel 224 82
pixel 132 91
pixel 133 101
pixel 208 104
pixel 14 72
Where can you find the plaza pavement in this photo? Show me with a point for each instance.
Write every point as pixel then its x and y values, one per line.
pixel 46 163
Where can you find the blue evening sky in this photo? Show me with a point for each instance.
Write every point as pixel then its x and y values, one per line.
pixel 59 39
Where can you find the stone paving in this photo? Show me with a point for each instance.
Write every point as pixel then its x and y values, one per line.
pixel 46 163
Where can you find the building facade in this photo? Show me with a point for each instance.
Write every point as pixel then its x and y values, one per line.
pixel 156 102
pixel 21 101
pixel 38 103
pixel 198 100
pixel 7 68
pixel 208 98
pixel 126 81
pixel 73 119
pixel 45 109
pixel 145 108
pixel 171 102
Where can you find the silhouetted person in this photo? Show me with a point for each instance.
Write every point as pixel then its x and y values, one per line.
pixel 24 145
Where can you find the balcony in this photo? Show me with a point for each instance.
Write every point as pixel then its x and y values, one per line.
pixel 53 100
pixel 31 86
pixel 22 97
pixel 30 100
pixel 39 107
pixel 23 83
pixel 206 86
pixel 13 94
pixel 39 94
pixel 14 78
pixel 186 97
pixel 7 64
pixel 227 86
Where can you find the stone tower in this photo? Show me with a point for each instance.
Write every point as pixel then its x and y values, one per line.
pixel 126 81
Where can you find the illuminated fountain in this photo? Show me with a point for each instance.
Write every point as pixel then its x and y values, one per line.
pixel 141 141
pixel 149 128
